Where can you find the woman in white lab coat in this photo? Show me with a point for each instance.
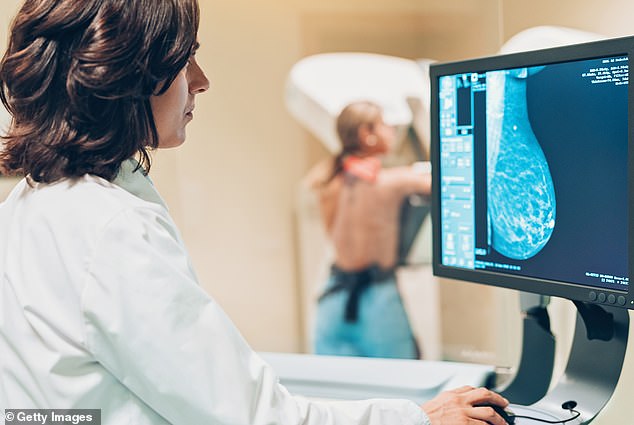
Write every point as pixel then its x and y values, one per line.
pixel 99 305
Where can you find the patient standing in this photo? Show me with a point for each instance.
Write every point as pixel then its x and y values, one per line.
pixel 360 312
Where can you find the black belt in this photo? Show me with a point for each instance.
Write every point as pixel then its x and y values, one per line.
pixel 355 282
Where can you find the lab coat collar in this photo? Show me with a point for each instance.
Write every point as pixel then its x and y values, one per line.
pixel 132 179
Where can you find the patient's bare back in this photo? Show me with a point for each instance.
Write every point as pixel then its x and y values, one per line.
pixel 362 217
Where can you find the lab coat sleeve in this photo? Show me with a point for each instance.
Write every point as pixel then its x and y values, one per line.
pixel 148 322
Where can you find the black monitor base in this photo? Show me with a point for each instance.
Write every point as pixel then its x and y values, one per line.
pixel 593 369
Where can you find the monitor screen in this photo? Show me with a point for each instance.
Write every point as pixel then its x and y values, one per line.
pixel 530 164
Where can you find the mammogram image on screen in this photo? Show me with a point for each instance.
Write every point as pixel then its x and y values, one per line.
pixel 533 171
pixel 521 194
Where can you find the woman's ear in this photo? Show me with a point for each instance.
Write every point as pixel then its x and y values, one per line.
pixel 366 137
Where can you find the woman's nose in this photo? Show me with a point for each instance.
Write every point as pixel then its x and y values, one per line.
pixel 198 82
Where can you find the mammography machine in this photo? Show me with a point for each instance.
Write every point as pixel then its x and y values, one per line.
pixel 318 88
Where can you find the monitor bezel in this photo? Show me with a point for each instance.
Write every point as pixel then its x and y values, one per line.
pixel 572 291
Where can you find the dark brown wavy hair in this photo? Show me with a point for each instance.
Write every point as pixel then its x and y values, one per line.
pixel 77 78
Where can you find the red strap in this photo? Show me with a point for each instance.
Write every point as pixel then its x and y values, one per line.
pixel 364 168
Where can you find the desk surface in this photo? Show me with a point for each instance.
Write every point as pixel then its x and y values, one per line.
pixel 361 377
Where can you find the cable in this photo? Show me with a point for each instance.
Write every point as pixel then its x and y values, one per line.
pixel 568 405
pixel 563 421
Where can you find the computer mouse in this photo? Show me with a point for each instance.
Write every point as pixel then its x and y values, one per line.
pixel 506 414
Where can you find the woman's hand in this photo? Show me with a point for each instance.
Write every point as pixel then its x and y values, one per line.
pixel 458 407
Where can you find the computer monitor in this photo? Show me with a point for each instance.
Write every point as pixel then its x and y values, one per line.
pixel 531 171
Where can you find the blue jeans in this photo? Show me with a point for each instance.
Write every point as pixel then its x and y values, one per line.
pixel 380 326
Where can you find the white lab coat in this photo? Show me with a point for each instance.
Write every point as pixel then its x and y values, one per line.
pixel 100 308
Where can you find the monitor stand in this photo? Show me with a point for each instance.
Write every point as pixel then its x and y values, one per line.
pixel 593 370
pixel 534 373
